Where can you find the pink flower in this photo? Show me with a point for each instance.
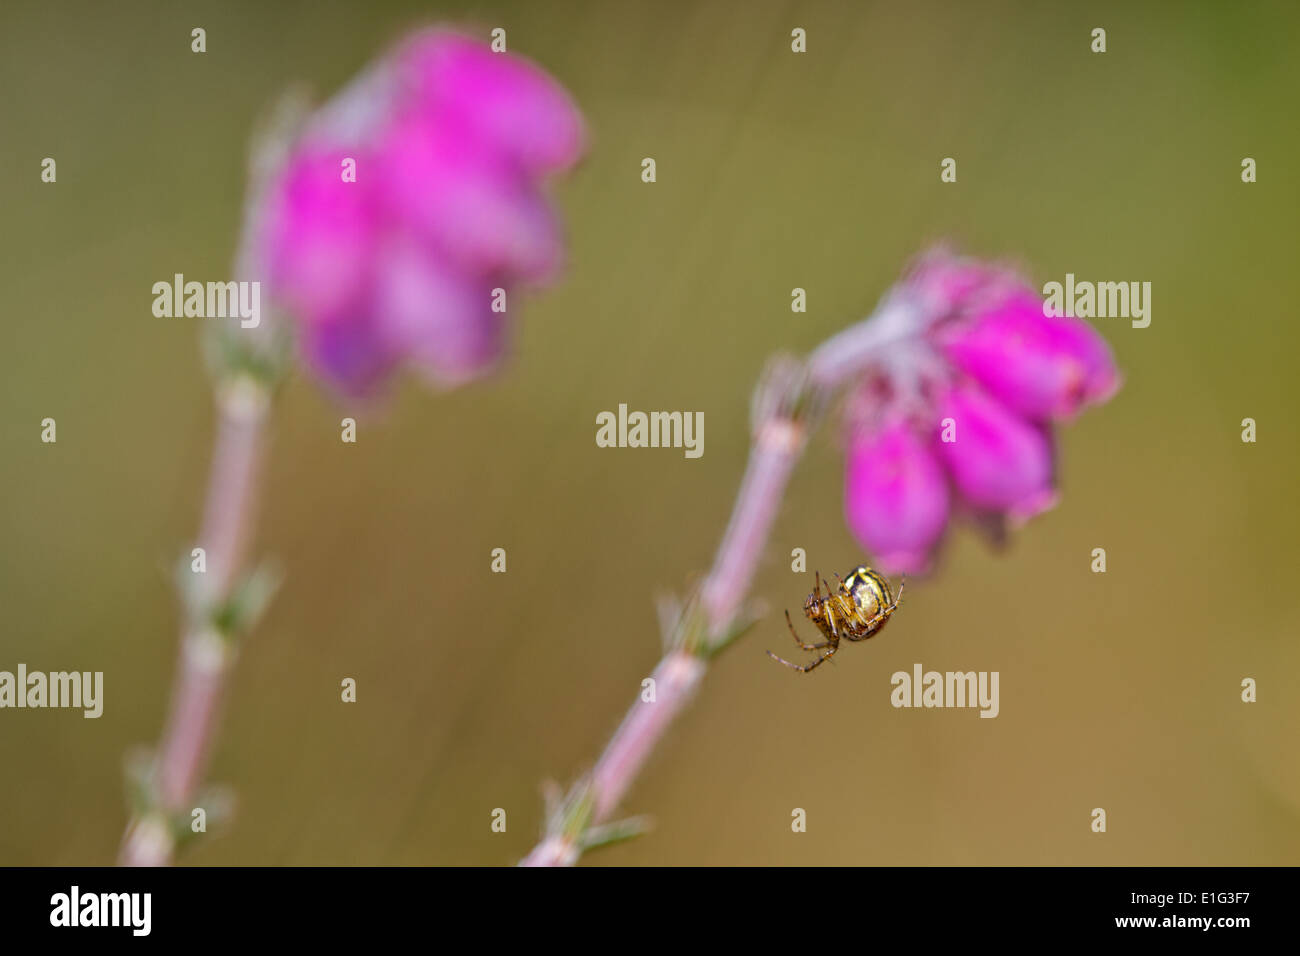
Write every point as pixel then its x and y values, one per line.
pixel 466 199
pixel 958 404
pixel 414 261
pixel 1042 367
pixel 511 104
pixel 897 495
pixel 997 460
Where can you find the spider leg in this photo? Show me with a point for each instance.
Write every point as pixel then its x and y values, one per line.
pixel 830 622
pixel 893 605
pixel 817 584
pixel 899 596
pixel 805 668
pixel 798 640
pixel 838 581
pixel 873 625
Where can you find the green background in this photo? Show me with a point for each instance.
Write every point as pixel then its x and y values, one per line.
pixel 775 170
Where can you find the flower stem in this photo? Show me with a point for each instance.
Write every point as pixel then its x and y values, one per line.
pixel 843 357
pixel 248 364
pixel 771 460
pixel 206 653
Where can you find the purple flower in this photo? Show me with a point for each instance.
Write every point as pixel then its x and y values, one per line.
pixel 401 264
pixel 956 409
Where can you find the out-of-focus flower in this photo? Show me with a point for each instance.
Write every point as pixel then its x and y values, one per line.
pixel 397 265
pixel 897 494
pixel 997 460
pixel 1040 366
pixel 956 412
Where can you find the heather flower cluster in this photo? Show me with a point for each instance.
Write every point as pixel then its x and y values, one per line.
pixel 398 264
pixel 957 414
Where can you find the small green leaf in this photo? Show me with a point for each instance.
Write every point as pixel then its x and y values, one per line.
pixel 616 832
pixel 138 773
pixel 744 621
pixel 245 606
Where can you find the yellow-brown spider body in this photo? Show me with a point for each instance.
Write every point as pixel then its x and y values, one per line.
pixel 858 609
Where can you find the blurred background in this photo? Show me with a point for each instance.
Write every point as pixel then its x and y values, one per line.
pixel 775 170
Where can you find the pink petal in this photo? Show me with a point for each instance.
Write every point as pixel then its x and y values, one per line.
pixel 320 239
pixel 1043 367
pixel 999 461
pixel 896 496
pixel 439 177
pixel 511 103
pixel 439 318
pixel 949 284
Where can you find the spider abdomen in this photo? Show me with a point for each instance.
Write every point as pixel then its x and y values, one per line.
pixel 868 590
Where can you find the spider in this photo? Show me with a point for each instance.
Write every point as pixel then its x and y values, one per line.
pixel 856 611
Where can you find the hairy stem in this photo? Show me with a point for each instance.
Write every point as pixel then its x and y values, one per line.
pixel 248 364
pixel 771 460
pixel 205 653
